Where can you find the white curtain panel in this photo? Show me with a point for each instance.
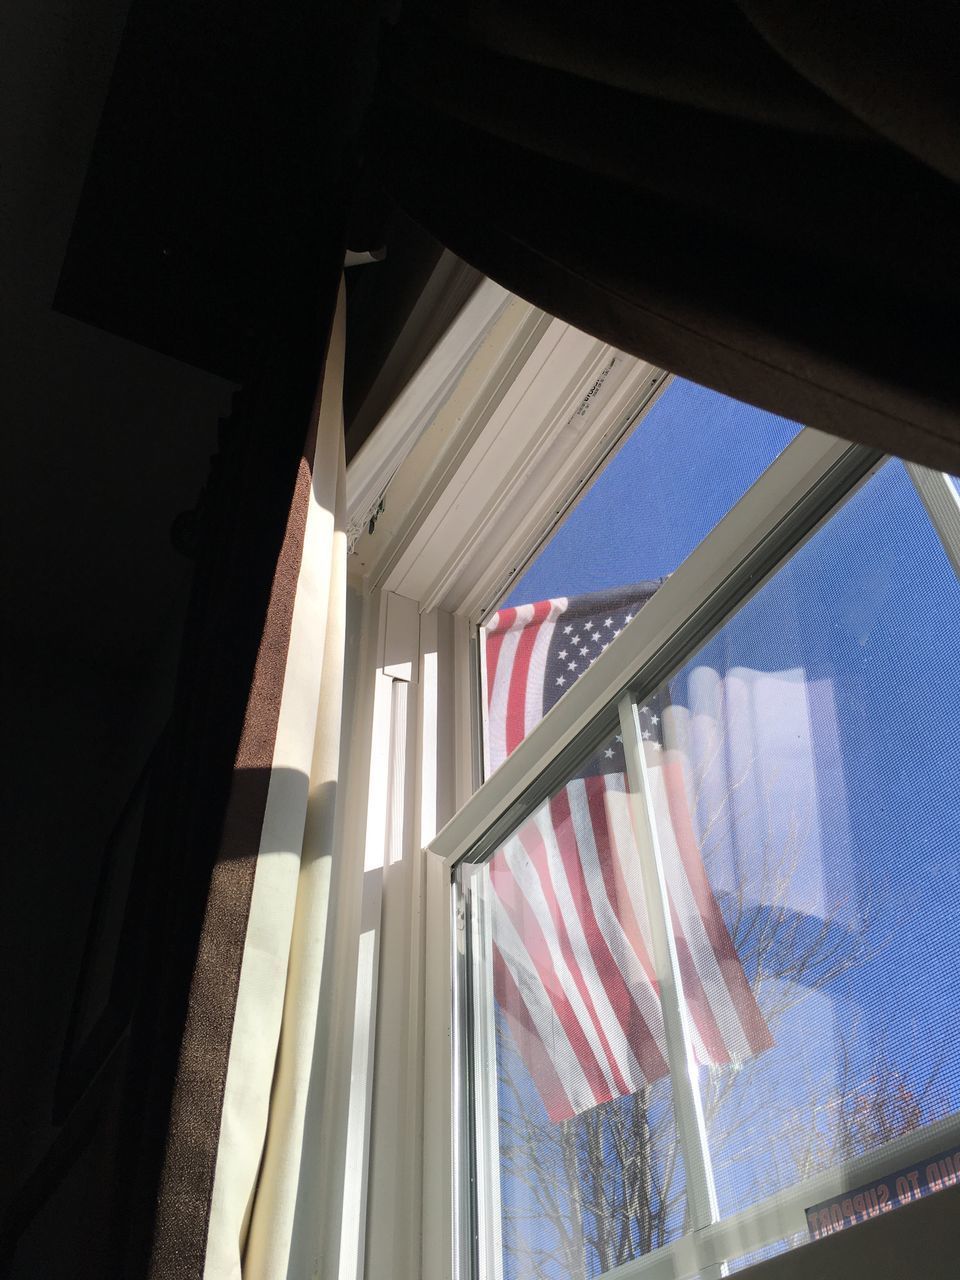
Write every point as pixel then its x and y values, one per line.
pixel 272 1050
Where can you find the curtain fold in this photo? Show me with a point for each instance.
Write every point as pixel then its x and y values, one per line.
pixel 281 1239
pixel 758 196
pixel 229 1186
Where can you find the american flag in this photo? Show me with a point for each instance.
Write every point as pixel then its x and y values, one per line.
pixel 573 974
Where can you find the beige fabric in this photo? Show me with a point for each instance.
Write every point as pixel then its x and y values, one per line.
pixel 272 1049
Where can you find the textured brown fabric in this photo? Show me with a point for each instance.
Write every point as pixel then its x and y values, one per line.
pixel 759 196
pixel 187 1182
pixel 200 940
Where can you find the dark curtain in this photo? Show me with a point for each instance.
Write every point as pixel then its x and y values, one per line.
pixel 761 196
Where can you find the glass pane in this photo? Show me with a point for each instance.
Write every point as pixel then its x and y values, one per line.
pixel 578 1164
pixel 812 750
pixel 686 463
pixel 800 775
pixel 691 457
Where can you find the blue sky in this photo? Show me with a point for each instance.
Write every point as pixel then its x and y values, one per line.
pixel 694 456
pixel 859 633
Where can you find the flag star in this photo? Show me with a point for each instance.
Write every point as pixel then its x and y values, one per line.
pixel 575 639
pixel 562 653
pixel 584 651
pixel 608 622
pixel 619 737
pixel 567 629
pixel 628 618
pixel 609 753
pixel 654 719
pixel 657 746
pixel 617 632
pixel 561 679
pixel 571 666
pixel 605 646
pixel 645 709
pixel 588 625
pixel 596 635
pixel 647 734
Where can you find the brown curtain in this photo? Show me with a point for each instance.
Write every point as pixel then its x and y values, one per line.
pixel 231 1177
pixel 761 196
pixel 242 834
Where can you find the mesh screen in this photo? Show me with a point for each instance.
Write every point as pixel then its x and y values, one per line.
pixel 690 458
pixel 589 1173
pixel 801 775
pixel 818 731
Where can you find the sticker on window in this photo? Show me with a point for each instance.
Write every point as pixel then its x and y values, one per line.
pixel 892 1191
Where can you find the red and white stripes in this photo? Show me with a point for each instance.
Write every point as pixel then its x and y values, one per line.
pixel 572 962
pixel 573 972
pixel 518 641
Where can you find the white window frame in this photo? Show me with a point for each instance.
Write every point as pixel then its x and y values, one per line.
pixel 470 489
pixel 508 390
pixel 784 505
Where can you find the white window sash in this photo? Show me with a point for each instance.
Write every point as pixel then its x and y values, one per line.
pixel 787 502
pixel 785 505
pixel 940 496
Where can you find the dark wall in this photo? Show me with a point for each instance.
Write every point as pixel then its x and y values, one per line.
pixel 104 442
pixel 176 190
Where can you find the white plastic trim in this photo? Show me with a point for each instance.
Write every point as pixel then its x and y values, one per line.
pixel 384 450
pixel 485 451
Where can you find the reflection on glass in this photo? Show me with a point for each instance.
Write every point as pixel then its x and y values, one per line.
pixel 814 744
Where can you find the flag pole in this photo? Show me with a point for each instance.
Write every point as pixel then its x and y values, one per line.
pixel 687 1104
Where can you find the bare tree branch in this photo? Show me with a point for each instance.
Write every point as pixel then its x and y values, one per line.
pixel 609 1186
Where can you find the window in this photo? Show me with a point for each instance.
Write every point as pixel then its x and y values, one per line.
pixel 742 827
pixel 665 489
pixel 683 938
pixel 690 457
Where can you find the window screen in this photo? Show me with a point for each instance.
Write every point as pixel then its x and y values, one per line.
pixel 795 781
pixel 817 732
